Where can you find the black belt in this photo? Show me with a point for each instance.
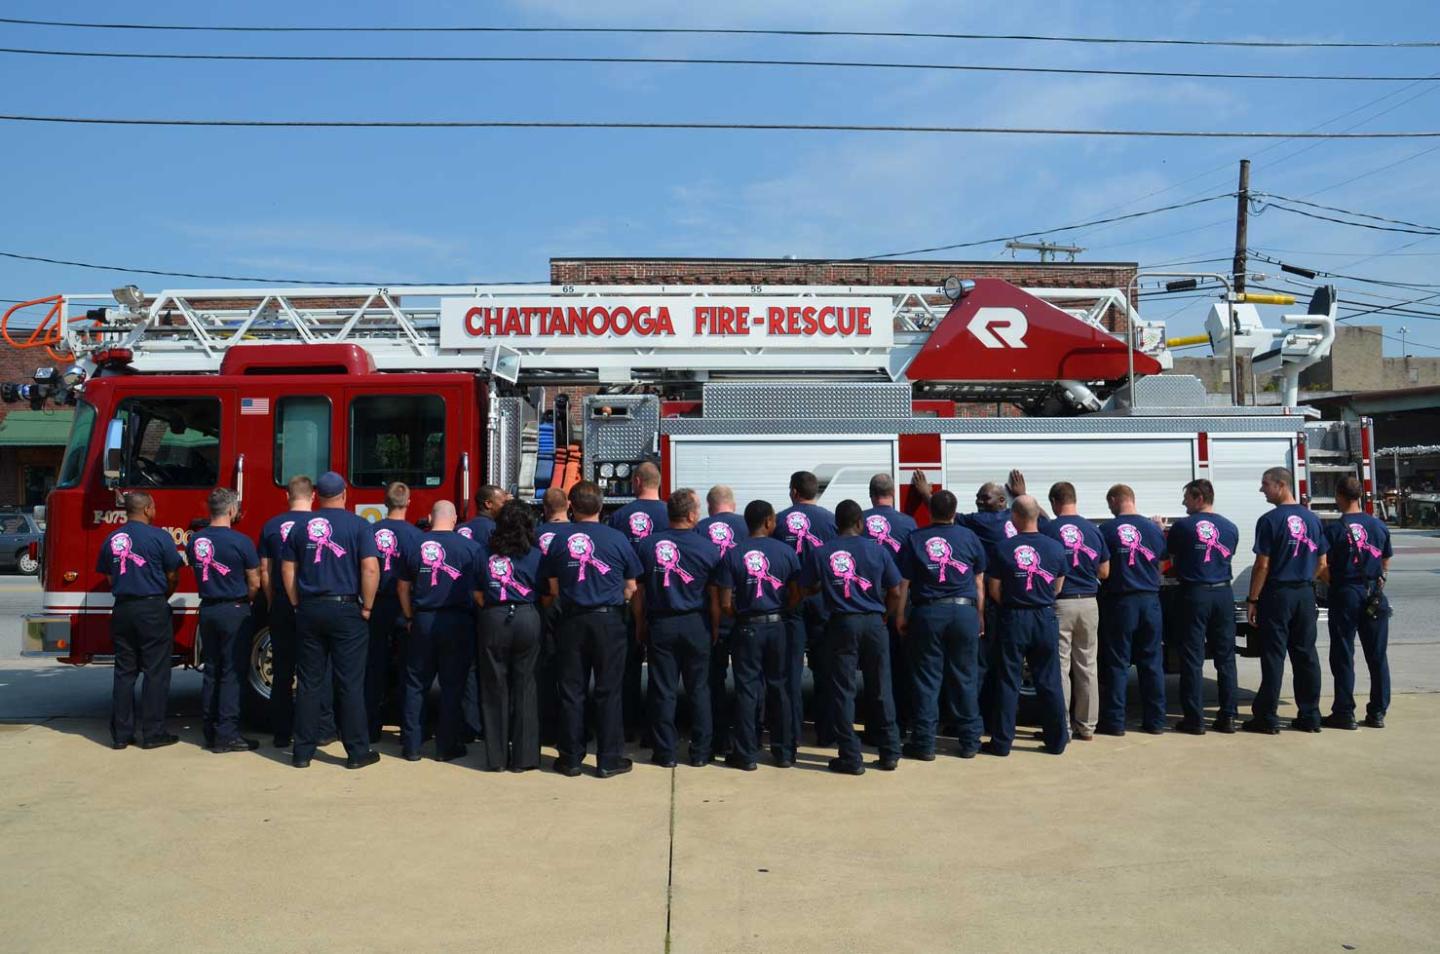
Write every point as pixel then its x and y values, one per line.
pixel 135 599
pixel 330 598
pixel 673 614
pixel 1198 585
pixel 224 601
pixel 1026 606
pixel 759 618
pixel 508 605
pixel 577 610
pixel 1288 584
pixel 947 600
pixel 1076 596
pixel 855 613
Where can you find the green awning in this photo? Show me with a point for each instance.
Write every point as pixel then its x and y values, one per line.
pixel 36 428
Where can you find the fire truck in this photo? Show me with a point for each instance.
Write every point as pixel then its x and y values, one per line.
pixel 450 387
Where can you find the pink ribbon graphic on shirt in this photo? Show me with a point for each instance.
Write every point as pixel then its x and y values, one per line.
pixel 879 529
pixel 1298 534
pixel 640 525
pixel 432 557
pixel 466 532
pixel 758 569
pixel 722 536
pixel 799 524
pixel 502 571
pixel 1361 539
pixel 1130 537
pixel 667 554
pixel 1010 530
pixel 1074 541
pixel 386 543
pixel 320 530
pixel 938 549
pixel 842 564
pixel 582 548
pixel 1209 535
pixel 205 556
pixel 122 546
pixel 544 542
pixel 1028 560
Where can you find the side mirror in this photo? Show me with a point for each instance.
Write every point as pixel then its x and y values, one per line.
pixel 114 456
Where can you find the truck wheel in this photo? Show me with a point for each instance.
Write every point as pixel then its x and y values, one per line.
pixel 258 676
pixel 26 564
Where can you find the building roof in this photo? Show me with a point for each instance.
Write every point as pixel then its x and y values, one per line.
pixel 49 428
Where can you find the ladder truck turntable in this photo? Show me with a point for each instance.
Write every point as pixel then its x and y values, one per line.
pixel 451 387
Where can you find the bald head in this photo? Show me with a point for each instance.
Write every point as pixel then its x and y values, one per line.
pixel 442 515
pixel 990 497
pixel 1025 513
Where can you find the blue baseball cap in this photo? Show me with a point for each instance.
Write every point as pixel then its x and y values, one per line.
pixel 330 484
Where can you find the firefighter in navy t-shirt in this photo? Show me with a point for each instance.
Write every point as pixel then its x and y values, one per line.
pixel 227 577
pixel 725 529
pixel 331 571
pixel 889 528
pixel 758 581
pixel 395 539
pixel 592 570
pixel 675 616
pixel 1289 543
pixel 637 520
pixel 1201 545
pixel 1356 566
pixel 1023 576
pixel 1131 629
pixel 860 584
pixel 804 526
pixel 141 562
pixel 488 501
pixel 945 564
pixel 437 593
pixel 1087 563
pixel 556 507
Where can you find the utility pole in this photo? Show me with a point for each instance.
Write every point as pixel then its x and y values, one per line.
pixel 1242 242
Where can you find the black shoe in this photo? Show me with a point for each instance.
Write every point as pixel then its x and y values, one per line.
pixel 1375 722
pixel 300 763
pixel 887 765
pixel 360 761
pixel 1337 721
pixel 912 751
pixel 457 752
pixel 1224 725
pixel 1190 728
pixel 1118 731
pixel 662 762
pixel 410 756
pixel 1260 728
pixel 518 769
pixel 781 760
pixel 282 742
pixel 119 744
pixel 236 744
pixel 160 741
pixel 209 742
pixel 327 740
pixel 990 748
pixel 1299 726
pixel 619 768
pixel 968 753
pixel 697 761
pixel 843 767
pixel 567 768
pixel 1154 729
pixel 736 761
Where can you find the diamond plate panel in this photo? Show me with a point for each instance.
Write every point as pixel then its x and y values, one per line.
pixel 1171 390
pixel 630 437
pixel 829 401
pixel 504 469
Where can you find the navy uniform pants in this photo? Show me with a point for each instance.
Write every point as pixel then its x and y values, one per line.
pixel 1131 632
pixel 509 653
pixel 987 667
pixel 333 636
pixel 1286 621
pixel 1029 635
pixel 141 631
pixel 1347 618
pixel 225 631
pixel 386 625
pixel 758 652
pixel 944 648
pixel 284 662
pixel 679 650
pixel 1205 623
pixel 546 690
pixel 591 640
pixel 441 642
pixel 860 641
pixel 720 707
pixel 805 640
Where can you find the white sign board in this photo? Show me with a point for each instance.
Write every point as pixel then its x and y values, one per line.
pixel 790 322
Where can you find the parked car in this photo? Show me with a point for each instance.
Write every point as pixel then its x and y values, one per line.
pixel 17 531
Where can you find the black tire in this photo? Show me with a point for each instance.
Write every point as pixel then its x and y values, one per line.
pixel 25 564
pixel 255 686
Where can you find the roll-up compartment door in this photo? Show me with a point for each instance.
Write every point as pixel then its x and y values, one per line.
pixel 760 468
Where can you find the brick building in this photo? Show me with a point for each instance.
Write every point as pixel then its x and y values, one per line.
pixel 31 442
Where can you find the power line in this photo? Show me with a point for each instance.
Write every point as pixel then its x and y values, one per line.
pixel 708 126
pixel 722 31
pixel 1359 225
pixel 712 61
pixel 1331 208
pixel 1352 278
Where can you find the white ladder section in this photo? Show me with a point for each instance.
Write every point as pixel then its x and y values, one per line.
pixel 190 330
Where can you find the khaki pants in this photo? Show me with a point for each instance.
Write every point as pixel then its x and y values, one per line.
pixel 1079 642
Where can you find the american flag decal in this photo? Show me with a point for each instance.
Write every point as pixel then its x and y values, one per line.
pixel 254 405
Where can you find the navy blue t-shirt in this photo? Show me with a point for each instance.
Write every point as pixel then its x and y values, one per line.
pixel 1027 566
pixel 1291 536
pixel 592 562
pixel 511 580
pixel 888 527
pixel 1201 547
pixel 1136 548
pixel 853 572
pixel 220 556
pixel 1085 550
pixel 677 567
pixel 274 532
pixel 546 532
pixel 990 526
pixel 804 527
pixel 1359 545
pixel 639 519
pixel 444 570
pixel 725 530
pixel 759 570
pixel 393 540
pixel 327 548
pixel 477 529
pixel 136 557
pixel 941 562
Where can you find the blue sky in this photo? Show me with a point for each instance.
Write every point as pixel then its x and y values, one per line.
pixel 495 205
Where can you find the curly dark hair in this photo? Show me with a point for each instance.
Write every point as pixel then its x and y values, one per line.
pixel 514 534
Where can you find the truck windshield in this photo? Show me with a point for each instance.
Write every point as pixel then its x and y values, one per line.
pixel 170 442
pixel 72 465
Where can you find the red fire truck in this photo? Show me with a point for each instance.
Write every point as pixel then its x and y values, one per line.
pixel 447 388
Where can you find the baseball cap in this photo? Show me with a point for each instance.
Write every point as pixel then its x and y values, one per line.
pixel 330 484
